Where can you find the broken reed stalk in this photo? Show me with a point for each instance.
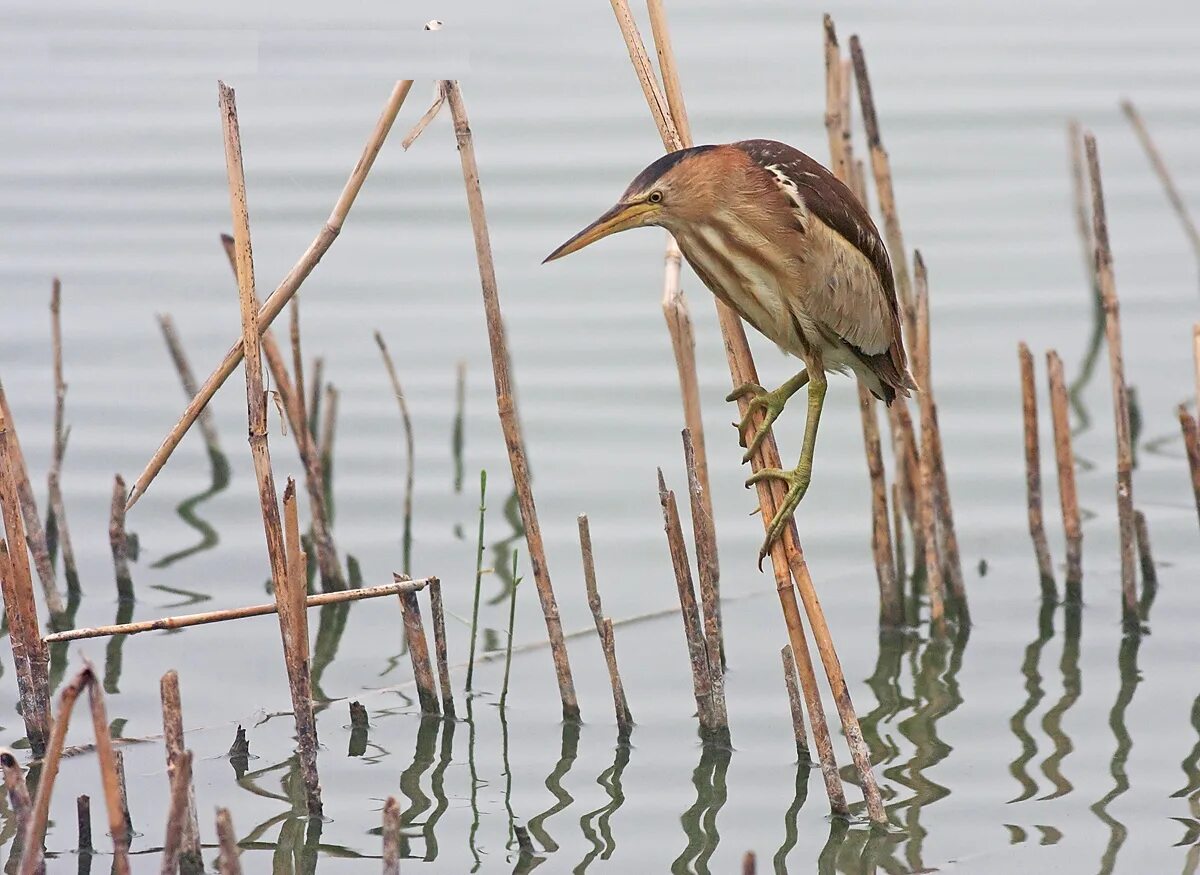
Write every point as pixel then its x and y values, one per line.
pixel 837 127
pixel 118 540
pixel 123 791
pixel 29 655
pixel 185 620
pixel 1112 332
pixel 604 630
pixel 228 860
pixel 391 837
pixel 186 856
pixel 293 403
pixel 1065 459
pixel 286 565
pixel 34 535
pixel 702 682
pixel 926 494
pixel 1079 197
pixel 83 817
pixel 179 814
pixel 314 397
pixel 1191 445
pixel 478 579
pixel 54 477
pixel 418 651
pixel 293 628
pixel 286 289
pixel 1145 554
pixel 208 427
pixel 898 540
pixel 796 704
pixel 1164 175
pixel 787 557
pixel 114 795
pixel 705 540
pixel 507 406
pixel 674 303
pixel 410 463
pixel 328 433
pixel 437 616
pixel 1033 473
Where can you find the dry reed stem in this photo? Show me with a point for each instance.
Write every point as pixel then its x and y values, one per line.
pixel 1112 332
pixel 35 835
pixel 604 630
pixel 1065 460
pixel 314 397
pixel 437 616
pixel 123 791
pixel 1033 473
pixel 838 75
pixel 54 477
pixel 1191 444
pixel 293 628
pixel 439 98
pixel 926 494
pixel 1145 554
pixel 410 462
pixel 118 540
pixel 822 741
pixel 506 404
pixel 83 818
pixel 296 414
pixel 391 837
pixel 418 651
pixel 228 861
pixel 796 704
pixel 1079 198
pixel 1164 175
pixel 286 564
pixel 786 555
pixel 1196 360
pixel 329 429
pixel 183 367
pixel 702 683
pixel 674 302
pixel 179 813
pixel 188 849
pixel 16 581
pixel 34 535
pixel 114 794
pixel 705 542
pixel 898 540
pixel 185 620
pixel 283 293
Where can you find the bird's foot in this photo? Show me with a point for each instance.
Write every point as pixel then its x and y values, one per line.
pixel 771 404
pixel 797 479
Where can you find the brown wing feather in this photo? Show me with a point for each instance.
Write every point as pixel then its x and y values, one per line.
pixel 829 200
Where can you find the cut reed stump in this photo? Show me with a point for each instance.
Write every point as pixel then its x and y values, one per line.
pixel 787 557
pixel 1112 330
pixel 286 564
pixel 705 539
pixel 179 817
pixel 118 540
pixel 83 817
pixel 57 511
pixel 437 616
pixel 796 704
pixel 1191 445
pixel 418 651
pixel 229 859
pixel 187 852
pixel 274 304
pixel 1033 474
pixel 1064 458
pixel 1145 554
pixel 34 535
pixel 604 629
pixel 506 404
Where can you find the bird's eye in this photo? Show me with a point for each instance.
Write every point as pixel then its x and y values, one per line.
pixel 655 197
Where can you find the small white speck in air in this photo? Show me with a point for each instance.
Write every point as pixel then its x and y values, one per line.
pixel 433 24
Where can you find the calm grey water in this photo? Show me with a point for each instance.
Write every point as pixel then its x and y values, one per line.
pixel 1042 744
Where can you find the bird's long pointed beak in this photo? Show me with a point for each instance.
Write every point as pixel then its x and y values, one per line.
pixel 619 218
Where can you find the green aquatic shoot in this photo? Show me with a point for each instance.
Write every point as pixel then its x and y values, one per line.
pixel 478 577
pixel 512 615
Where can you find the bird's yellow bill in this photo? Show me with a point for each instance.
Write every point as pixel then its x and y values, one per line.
pixel 619 218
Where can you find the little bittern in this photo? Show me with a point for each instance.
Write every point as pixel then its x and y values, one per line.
pixel 783 242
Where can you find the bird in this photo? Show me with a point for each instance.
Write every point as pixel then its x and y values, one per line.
pixel 780 239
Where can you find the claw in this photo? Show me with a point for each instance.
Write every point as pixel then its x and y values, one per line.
pixel 797 480
pixel 745 389
pixel 769 404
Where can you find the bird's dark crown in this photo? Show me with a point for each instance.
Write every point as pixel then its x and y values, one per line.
pixel 659 168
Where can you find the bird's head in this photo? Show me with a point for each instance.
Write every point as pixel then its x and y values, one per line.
pixel 669 190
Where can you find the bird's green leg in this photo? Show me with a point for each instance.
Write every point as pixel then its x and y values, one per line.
pixel 771 403
pixel 798 478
